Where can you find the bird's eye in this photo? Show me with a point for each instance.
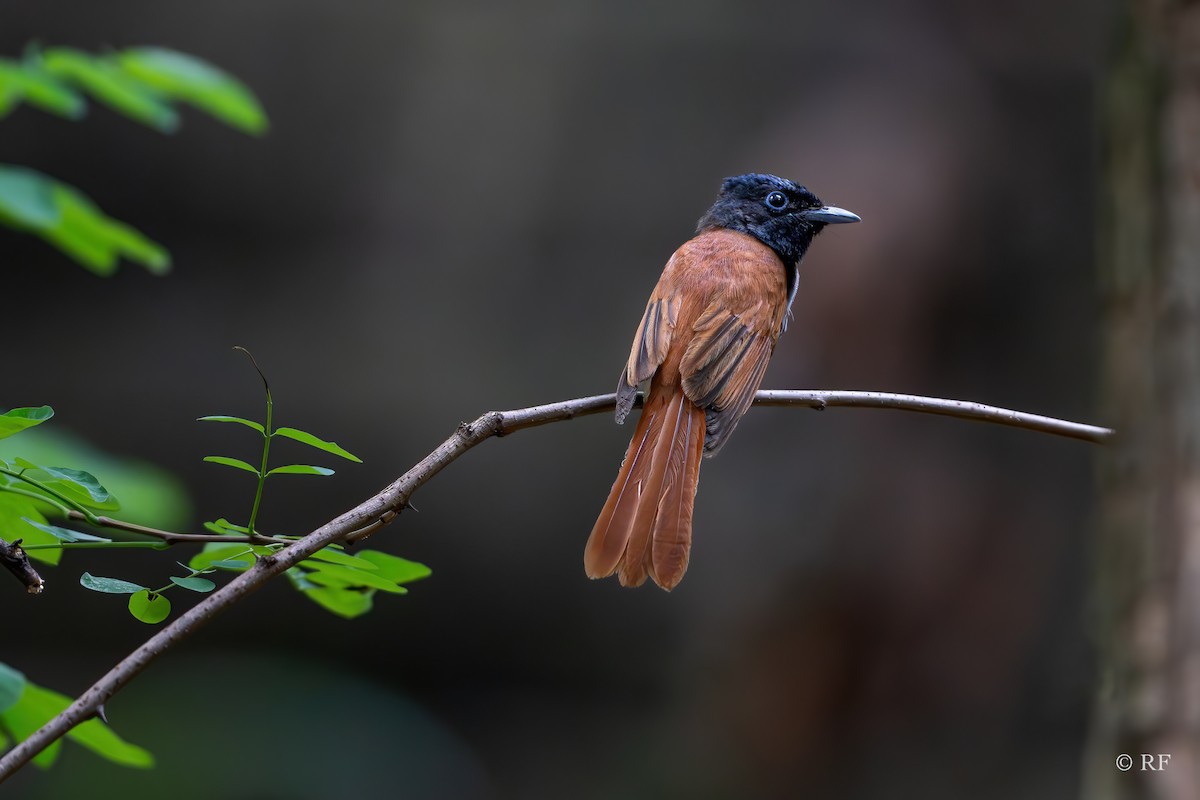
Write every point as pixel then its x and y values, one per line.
pixel 777 201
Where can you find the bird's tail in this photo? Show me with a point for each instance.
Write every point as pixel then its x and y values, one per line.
pixel 645 527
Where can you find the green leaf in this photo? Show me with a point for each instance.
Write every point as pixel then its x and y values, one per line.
pixel 197 82
pixel 300 469
pixel 299 578
pixel 149 607
pixel 65 534
pixel 67 219
pixel 30 83
pixel 224 526
pixel 103 741
pixel 352 577
pixel 339 557
pixel 313 441
pixel 202 585
pixel 109 585
pixel 80 486
pixel 10 97
pixel 110 84
pixel 234 557
pixel 16 514
pixel 98 241
pixel 27 198
pixel 12 684
pixel 343 602
pixel 237 463
pixel 394 568
pixel 149 495
pixel 18 419
pixel 38 706
pixel 239 420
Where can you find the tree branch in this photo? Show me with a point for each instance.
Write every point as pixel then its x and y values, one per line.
pixel 372 514
pixel 13 559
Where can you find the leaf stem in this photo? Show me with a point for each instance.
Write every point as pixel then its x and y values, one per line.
pixel 95 545
pixel 262 470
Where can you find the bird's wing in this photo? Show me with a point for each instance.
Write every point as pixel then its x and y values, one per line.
pixel 725 363
pixel 650 345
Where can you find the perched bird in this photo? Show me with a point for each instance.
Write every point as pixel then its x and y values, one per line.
pixel 704 342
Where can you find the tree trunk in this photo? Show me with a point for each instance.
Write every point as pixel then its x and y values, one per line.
pixel 1148 559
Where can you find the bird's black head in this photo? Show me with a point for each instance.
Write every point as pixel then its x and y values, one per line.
pixel 779 213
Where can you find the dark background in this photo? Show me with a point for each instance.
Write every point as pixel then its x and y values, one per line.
pixel 462 207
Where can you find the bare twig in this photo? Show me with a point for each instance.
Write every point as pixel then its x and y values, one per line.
pixel 14 559
pixel 367 517
pixel 963 409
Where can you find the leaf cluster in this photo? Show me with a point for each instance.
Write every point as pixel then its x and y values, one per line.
pixel 145 84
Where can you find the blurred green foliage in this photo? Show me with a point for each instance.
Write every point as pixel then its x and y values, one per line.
pixel 142 83
pixel 25 707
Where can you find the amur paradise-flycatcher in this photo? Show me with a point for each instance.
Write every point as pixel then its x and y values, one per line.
pixel 703 344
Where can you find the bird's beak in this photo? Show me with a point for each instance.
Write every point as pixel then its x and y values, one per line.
pixel 830 215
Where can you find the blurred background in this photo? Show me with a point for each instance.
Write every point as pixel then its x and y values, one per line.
pixel 464 206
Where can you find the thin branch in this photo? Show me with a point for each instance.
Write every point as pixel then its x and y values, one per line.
pixel 378 510
pixel 13 559
pixel 963 409
pixel 171 537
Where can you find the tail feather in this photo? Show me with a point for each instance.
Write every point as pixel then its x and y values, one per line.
pixel 610 535
pixel 645 526
pixel 673 525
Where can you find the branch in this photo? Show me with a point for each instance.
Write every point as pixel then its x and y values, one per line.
pixel 377 511
pixel 171 537
pixel 13 558
pixel 963 409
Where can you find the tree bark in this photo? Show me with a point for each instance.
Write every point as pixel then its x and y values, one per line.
pixel 1147 573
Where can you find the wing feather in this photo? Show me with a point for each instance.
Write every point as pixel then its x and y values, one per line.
pixel 725 363
pixel 649 350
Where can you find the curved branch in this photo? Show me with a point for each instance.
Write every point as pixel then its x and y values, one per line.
pixel 963 409
pixel 372 514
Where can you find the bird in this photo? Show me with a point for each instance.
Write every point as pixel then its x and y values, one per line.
pixel 703 345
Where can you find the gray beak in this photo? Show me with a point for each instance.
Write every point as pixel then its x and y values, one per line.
pixel 830 215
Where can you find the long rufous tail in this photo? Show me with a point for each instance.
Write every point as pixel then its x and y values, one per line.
pixel 645 527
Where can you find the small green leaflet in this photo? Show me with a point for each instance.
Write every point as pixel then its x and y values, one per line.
pixel 394 568
pixel 197 82
pixel 237 463
pixel 352 577
pixel 149 608
pixel 223 556
pixel 346 603
pixel 27 199
pixel 81 487
pixel 109 585
pixel 69 220
pixel 18 419
pixel 65 534
pixel 249 423
pixel 313 441
pixel 300 469
pixel 12 684
pixel 194 584
pixel 343 558
pixel 29 83
pixel 112 86
pixel 224 526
